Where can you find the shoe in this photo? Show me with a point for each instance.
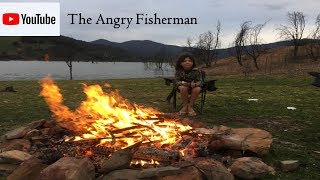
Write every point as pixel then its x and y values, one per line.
pixel 192 113
pixel 182 113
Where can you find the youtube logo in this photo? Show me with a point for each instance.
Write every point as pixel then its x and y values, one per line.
pixel 10 18
pixel 30 19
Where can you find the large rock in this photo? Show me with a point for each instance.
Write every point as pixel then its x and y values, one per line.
pixel 252 139
pixel 16 144
pixel 29 169
pixel 6 169
pixel 17 133
pixel 14 157
pixel 119 160
pixel 158 172
pixel 214 170
pixel 250 168
pixel 191 173
pixel 22 131
pixel 128 174
pixel 69 168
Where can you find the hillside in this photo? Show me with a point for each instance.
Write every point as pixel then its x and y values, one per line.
pixel 58 48
pixel 142 48
pixel 62 48
pixel 273 61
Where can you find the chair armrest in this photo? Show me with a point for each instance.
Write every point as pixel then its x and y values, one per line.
pixel 210 85
pixel 168 81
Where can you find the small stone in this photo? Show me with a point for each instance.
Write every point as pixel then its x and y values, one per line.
pixel 289 165
pixel 32 133
pixel 250 168
pixel 45 131
pixel 14 157
pixel 36 124
pixel 16 144
pixel 49 124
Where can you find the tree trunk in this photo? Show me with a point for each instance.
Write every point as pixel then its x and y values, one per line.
pixel 295 52
pixel 70 68
pixel 256 63
pixel 69 63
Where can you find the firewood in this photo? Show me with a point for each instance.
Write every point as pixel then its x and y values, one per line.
pixel 123 129
pixel 156 154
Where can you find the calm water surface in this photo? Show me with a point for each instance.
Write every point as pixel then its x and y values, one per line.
pixel 34 70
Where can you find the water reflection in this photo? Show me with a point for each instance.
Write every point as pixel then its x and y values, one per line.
pixel 160 69
pixel 33 70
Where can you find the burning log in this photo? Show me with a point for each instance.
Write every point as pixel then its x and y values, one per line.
pixel 182 143
pixel 156 154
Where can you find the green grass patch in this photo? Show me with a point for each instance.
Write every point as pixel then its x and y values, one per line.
pixel 296 132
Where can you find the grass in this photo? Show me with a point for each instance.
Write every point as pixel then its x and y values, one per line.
pixel 296 132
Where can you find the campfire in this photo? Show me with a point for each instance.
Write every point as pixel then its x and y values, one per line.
pixel 112 120
pixel 113 134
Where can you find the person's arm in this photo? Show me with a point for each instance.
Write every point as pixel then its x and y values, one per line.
pixel 179 79
pixel 197 82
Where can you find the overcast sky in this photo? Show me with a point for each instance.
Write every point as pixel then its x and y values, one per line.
pixel 231 13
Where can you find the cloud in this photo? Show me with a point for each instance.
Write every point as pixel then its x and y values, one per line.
pixel 231 13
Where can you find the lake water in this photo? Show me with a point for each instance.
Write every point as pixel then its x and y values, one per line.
pixel 34 70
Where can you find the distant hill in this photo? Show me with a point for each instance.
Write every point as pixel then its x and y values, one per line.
pixel 62 47
pixel 142 48
pixel 146 48
pixel 58 48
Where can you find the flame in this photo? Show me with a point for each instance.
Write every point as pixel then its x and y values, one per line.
pixel 110 118
pixel 142 162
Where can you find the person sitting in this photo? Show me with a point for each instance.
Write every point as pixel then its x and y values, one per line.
pixel 187 81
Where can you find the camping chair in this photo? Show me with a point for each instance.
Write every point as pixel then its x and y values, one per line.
pixel 316 82
pixel 206 86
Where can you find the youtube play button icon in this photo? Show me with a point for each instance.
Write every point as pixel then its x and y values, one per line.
pixel 10 18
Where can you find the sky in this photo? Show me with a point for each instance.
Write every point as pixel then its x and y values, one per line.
pixel 231 13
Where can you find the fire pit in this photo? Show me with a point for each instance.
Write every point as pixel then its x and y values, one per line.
pixel 108 137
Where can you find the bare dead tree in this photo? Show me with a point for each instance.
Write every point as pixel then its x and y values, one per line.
pixel 161 57
pixel 239 43
pixel 207 46
pixel 252 46
pixel 294 29
pixel 69 63
pixel 188 47
pixel 313 48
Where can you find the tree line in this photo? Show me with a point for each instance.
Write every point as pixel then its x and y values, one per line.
pixel 248 41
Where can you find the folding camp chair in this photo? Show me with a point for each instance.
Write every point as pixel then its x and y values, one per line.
pixel 316 81
pixel 206 86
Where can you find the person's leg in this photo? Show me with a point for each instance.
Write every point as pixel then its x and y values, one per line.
pixel 194 95
pixel 184 97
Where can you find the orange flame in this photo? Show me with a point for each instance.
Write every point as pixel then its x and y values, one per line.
pixel 142 162
pixel 110 118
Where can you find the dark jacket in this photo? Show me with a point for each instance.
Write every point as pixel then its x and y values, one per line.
pixel 188 76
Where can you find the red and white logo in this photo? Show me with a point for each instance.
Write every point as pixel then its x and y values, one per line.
pixel 10 18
